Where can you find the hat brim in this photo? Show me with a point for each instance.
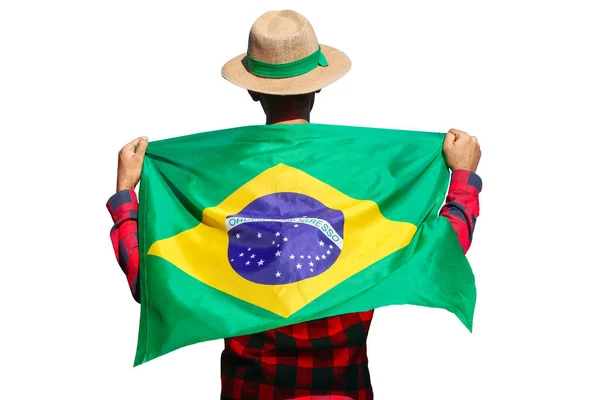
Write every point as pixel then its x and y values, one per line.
pixel 236 72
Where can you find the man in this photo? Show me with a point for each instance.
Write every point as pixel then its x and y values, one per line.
pixel 283 70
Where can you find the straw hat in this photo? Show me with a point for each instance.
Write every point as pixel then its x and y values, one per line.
pixel 284 57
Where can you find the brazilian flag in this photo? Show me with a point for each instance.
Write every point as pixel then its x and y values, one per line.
pixel 253 228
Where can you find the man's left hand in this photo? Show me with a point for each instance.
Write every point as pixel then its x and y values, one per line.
pixel 131 158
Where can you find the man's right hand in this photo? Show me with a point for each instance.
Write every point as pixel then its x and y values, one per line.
pixel 131 158
pixel 461 150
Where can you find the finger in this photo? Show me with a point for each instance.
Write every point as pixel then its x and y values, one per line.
pixel 463 137
pixel 142 145
pixel 449 140
pixel 131 145
pixel 459 134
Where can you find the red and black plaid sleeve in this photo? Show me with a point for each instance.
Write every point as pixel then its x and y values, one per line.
pixel 123 208
pixel 462 205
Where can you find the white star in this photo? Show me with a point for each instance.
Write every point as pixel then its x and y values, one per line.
pixel 323 256
pixel 273 242
pixel 330 246
pixel 309 257
pixel 298 266
pixel 259 235
pixel 317 258
pixel 292 257
pixel 277 245
pixel 301 256
pixel 321 243
pixel 278 253
pixel 328 252
pixel 295 225
pixel 261 262
pixel 247 262
pixel 241 254
pixel 252 256
pixel 278 274
pixel 277 234
pixel 311 270
pixel 237 235
pixel 249 248
pixel 311 264
pixel 232 260
pixel 285 239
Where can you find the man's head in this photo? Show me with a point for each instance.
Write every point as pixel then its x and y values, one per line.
pixel 285 65
pixel 279 108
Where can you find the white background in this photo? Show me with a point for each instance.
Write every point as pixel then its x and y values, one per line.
pixel 79 79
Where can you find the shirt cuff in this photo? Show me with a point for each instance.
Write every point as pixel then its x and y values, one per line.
pixel 121 202
pixel 468 181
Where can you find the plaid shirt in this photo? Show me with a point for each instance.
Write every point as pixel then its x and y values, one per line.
pixel 321 359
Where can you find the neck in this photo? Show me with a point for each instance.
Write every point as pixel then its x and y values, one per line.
pixel 292 109
pixel 273 120
pixel 289 121
pixel 288 117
